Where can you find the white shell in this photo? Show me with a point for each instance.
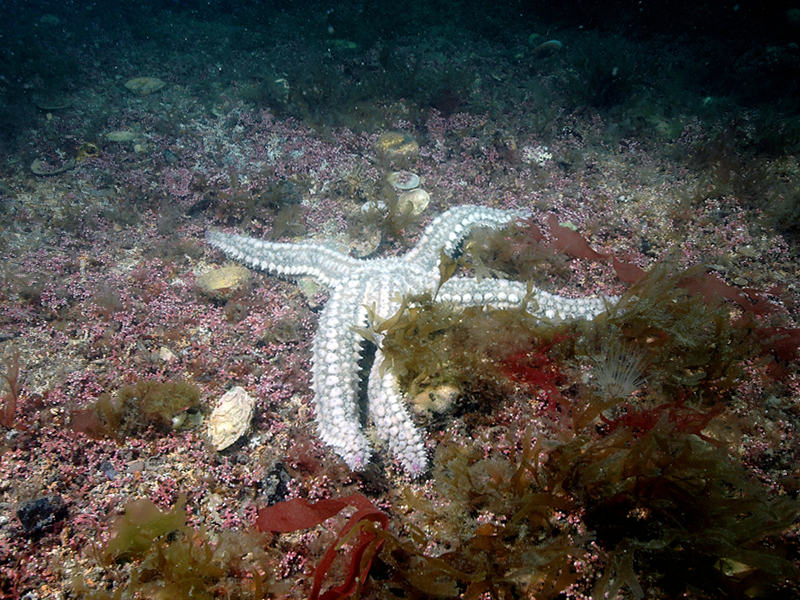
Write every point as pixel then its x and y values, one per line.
pixel 403 180
pixel 418 200
pixel 223 279
pixel 231 417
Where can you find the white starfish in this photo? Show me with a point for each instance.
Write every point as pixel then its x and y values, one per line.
pixel 380 285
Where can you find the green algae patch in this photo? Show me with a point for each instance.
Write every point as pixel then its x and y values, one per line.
pixel 156 554
pixel 135 407
pixel 142 524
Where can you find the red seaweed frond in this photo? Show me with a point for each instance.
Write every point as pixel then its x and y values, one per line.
pixel 683 418
pixel 536 370
pixel 8 408
pixel 365 544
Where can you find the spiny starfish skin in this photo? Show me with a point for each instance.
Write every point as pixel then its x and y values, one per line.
pixel 381 284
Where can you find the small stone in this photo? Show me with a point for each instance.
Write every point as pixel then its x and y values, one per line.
pixel 231 418
pixel 191 419
pixel 733 568
pixel 136 466
pixel 282 89
pixel 41 514
pixel 120 136
pixel 548 47
pixel 394 145
pixel 166 354
pixel 222 282
pixel 107 469
pixel 341 44
pixel 144 86
pixel 748 252
pixel 718 268
pixel 51 101
pixel 275 484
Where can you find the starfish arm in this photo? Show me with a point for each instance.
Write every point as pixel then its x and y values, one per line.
pixel 306 259
pixel 448 230
pixel 502 293
pixel 393 423
pixel 336 353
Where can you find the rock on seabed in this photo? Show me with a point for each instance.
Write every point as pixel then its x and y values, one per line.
pixel 143 86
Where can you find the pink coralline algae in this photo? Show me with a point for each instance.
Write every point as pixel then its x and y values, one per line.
pixel 177 181
pixel 100 268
